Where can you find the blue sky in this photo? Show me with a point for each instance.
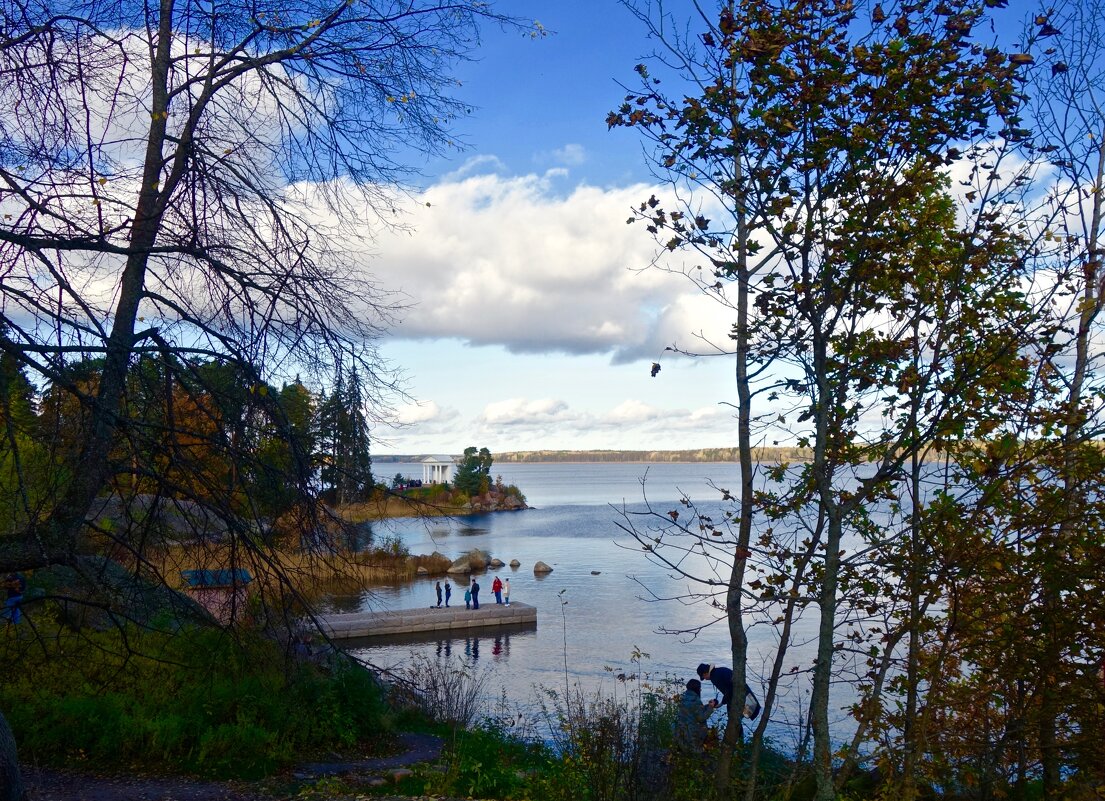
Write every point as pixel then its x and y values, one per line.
pixel 532 323
pixel 533 318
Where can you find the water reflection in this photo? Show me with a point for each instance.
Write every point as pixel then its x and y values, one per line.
pixel 496 639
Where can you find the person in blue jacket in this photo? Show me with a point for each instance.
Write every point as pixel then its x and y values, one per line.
pixel 722 679
pixel 14 585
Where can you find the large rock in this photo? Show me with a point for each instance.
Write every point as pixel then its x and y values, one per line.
pixel 475 559
pixel 495 502
pixel 541 567
pixel 515 563
pixel 170 520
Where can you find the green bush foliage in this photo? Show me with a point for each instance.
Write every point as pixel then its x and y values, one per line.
pixel 201 702
pixel 487 763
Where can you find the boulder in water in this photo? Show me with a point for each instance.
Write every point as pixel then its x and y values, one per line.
pixel 475 559
pixel 541 567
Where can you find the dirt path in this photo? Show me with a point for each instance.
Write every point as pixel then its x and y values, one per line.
pixel 56 785
pixel 63 785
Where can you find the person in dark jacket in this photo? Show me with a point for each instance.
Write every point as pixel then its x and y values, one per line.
pixel 448 591
pixel 14 585
pixel 475 594
pixel 722 679
pixel 690 718
pixel 439 593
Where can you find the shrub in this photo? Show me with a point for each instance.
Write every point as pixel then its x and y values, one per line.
pixel 390 547
pixel 245 750
pixel 448 691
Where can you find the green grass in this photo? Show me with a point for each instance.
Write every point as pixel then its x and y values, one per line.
pixel 198 702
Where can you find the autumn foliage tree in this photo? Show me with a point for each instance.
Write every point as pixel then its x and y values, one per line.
pixel 877 315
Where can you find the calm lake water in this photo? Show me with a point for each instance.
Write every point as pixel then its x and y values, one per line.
pixel 593 623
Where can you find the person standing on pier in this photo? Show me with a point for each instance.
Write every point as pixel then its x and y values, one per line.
pixel 497 588
pixel 439 594
pixel 475 594
pixel 506 591
pixel 448 592
pixel 468 597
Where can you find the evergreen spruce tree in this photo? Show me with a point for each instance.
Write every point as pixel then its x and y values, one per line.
pixel 346 466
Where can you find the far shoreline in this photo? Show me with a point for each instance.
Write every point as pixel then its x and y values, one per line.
pixel 689 456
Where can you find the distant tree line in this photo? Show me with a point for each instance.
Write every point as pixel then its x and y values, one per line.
pixel 763 454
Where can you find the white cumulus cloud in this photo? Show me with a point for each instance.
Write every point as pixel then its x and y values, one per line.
pixel 517 262
pixel 521 411
pixel 424 412
pixel 571 155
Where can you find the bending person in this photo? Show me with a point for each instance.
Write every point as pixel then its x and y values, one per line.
pixel 722 679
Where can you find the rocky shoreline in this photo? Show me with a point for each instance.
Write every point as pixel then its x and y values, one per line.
pixel 495 502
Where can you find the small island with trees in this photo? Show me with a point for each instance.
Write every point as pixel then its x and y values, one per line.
pixel 471 491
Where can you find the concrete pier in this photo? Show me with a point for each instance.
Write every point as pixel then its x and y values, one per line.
pixel 427 620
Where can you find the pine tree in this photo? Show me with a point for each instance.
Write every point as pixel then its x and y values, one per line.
pixel 346 466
